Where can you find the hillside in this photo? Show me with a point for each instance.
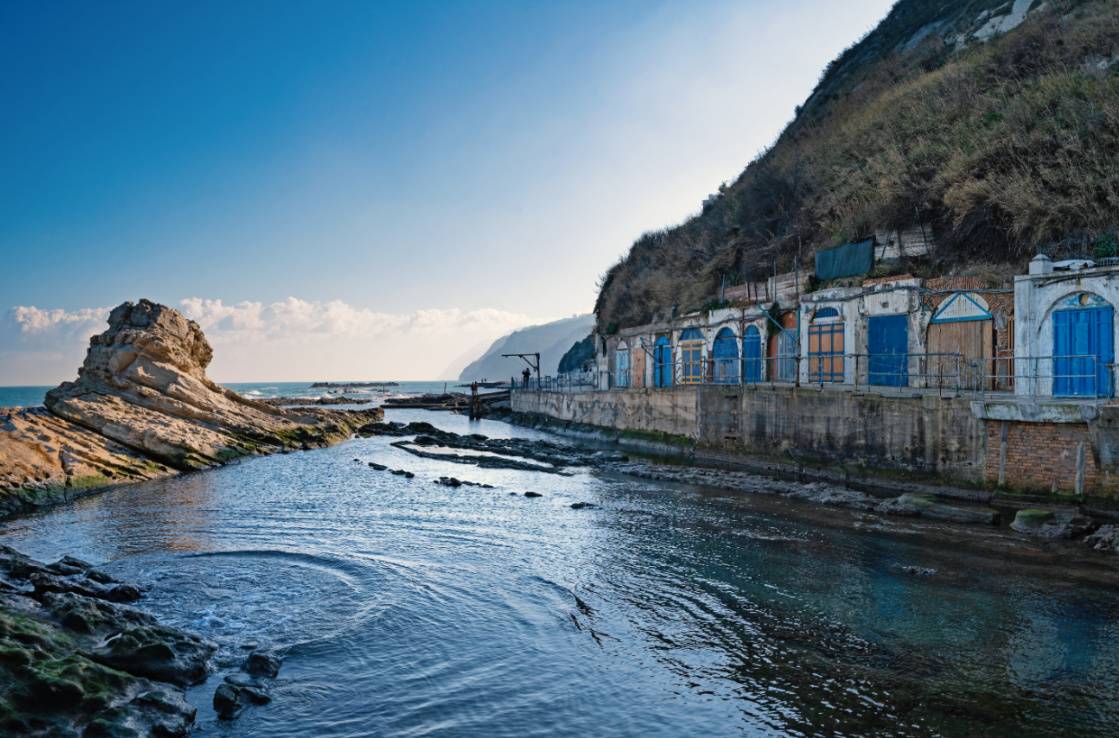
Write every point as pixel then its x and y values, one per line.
pixel 993 123
pixel 551 340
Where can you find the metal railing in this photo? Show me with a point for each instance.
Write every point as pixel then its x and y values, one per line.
pixel 1075 376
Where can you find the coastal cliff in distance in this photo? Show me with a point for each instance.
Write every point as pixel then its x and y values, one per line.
pixel 143 408
pixel 550 340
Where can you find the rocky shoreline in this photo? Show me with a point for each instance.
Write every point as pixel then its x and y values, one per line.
pixel 1079 525
pixel 143 408
pixel 78 658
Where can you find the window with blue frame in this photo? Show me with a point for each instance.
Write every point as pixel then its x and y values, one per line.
pixel 825 346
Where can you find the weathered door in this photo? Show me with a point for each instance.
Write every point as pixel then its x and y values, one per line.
pixel 637 369
pixel 1083 351
pixel 724 357
pixel 752 355
pixel 662 363
pixel 888 346
pixel 960 354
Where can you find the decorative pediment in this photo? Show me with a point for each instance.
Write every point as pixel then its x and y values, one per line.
pixel 960 307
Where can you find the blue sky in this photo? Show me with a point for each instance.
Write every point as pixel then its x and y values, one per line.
pixel 472 163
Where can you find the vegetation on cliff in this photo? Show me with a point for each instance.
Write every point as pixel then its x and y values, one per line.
pixel 993 122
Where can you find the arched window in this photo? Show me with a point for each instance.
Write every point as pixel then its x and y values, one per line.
pixel 752 355
pixel 621 365
pixel 662 362
pixel 825 346
pixel 692 368
pixel 724 357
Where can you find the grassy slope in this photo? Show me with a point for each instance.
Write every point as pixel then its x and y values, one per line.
pixel 1004 147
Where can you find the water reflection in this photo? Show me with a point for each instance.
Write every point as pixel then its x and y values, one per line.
pixel 408 608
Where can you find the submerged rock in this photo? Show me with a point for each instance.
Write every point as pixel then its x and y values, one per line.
pixel 1052 524
pixel 260 664
pixel 922 506
pixel 582 505
pixel 533 494
pixel 233 695
pixel 1106 538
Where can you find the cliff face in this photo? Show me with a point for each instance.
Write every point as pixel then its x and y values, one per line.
pixel 995 123
pixel 550 340
pixel 143 407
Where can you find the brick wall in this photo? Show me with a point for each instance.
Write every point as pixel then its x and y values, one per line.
pixel 1042 456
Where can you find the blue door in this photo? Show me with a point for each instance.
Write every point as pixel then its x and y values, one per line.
pixel 1083 351
pixel 888 344
pixel 724 355
pixel 752 355
pixel 662 363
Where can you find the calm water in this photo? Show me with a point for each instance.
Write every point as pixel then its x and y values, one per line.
pixel 410 609
pixel 27 396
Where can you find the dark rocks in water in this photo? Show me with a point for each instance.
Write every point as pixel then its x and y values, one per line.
pixel 1106 538
pixel 237 692
pixel 455 482
pixel 495 452
pixel 582 505
pixel 261 664
pixel 74 660
pixel 917 571
pixel 396 429
pixel 921 506
pixel 513 494
pixel 403 473
pixel 1052 524
pixel 533 494
pixel 378 467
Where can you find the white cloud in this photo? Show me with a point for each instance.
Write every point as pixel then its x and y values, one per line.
pixel 292 339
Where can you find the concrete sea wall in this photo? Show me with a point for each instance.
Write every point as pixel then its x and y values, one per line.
pixel 1061 448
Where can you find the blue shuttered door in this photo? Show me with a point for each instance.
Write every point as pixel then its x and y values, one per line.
pixel 662 358
pixel 725 357
pixel 752 355
pixel 888 344
pixel 1083 350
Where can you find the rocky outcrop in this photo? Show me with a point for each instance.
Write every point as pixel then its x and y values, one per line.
pixel 142 407
pixel 74 660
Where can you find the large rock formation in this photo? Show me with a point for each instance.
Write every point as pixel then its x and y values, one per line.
pixel 143 407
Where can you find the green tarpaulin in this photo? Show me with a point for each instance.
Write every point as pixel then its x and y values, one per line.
pixel 846 260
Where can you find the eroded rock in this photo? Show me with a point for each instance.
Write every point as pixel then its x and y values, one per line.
pixel 74 661
pixel 143 408
pixel 1052 524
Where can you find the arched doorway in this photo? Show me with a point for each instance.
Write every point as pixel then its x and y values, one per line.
pixel 621 365
pixel 1083 346
pixel 692 369
pixel 662 362
pixel 752 355
pixel 724 356
pixel 825 346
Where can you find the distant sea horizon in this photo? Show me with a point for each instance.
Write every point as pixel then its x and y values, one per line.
pixel 32 396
